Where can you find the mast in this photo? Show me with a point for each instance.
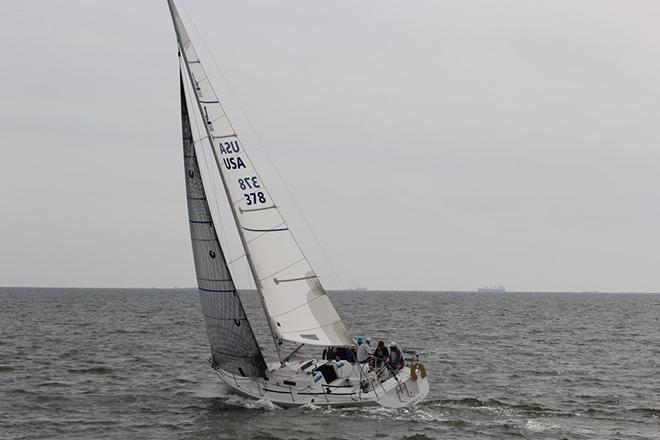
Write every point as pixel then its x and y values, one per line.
pixel 176 19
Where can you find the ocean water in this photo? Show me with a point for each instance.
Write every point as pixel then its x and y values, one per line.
pixel 122 363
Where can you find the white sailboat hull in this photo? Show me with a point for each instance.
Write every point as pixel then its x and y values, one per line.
pixel 291 386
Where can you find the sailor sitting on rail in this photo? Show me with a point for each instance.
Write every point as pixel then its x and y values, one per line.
pixel 364 350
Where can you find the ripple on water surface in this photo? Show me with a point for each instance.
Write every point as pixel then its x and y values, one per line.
pixel 88 363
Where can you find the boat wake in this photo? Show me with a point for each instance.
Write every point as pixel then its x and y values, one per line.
pixel 261 404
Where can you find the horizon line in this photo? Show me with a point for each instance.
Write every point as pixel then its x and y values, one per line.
pixel 350 290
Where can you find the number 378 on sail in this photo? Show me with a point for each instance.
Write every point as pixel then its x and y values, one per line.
pixel 296 307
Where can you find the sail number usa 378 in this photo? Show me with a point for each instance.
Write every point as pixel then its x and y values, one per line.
pixel 246 183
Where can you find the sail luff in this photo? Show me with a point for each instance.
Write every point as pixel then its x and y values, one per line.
pixel 184 40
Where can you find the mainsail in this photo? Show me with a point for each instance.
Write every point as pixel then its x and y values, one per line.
pixel 295 302
pixel 234 347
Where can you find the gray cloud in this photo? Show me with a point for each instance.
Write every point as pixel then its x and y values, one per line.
pixel 432 145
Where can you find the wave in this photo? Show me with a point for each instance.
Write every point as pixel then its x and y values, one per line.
pixel 417 437
pixel 531 409
pixel 471 402
pixel 91 370
pixel 122 331
pixel 536 426
pixel 238 401
pixel 653 412
pixel 56 383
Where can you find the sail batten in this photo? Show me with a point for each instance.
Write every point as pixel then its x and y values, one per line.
pixel 265 230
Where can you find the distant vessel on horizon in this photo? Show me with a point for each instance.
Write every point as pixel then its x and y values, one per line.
pixel 357 289
pixel 493 289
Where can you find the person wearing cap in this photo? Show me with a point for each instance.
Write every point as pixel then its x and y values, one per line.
pixel 364 350
pixel 397 361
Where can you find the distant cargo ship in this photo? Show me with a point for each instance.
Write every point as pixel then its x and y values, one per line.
pixel 499 289
pixel 357 289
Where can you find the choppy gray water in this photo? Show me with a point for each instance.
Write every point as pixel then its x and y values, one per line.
pixel 111 363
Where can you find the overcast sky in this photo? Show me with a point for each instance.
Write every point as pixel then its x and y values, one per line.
pixel 430 144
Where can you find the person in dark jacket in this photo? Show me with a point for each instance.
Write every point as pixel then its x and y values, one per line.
pixel 381 355
pixel 329 353
pixel 344 354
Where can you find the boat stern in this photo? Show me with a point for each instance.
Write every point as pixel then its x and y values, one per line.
pixel 408 388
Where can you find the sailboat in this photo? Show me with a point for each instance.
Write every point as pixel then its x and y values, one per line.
pixel 296 306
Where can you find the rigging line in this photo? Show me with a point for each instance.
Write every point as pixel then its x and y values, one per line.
pixel 247 156
pixel 190 97
pixel 298 306
pixel 210 85
pixel 310 329
pixel 257 237
pixel 293 237
pixel 240 257
pixel 249 275
pixel 263 147
pixel 224 115
pixel 288 358
pixel 283 269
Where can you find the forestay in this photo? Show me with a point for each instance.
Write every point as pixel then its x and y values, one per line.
pixel 296 303
pixel 234 347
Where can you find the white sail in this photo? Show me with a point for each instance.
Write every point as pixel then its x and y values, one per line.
pixel 296 303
